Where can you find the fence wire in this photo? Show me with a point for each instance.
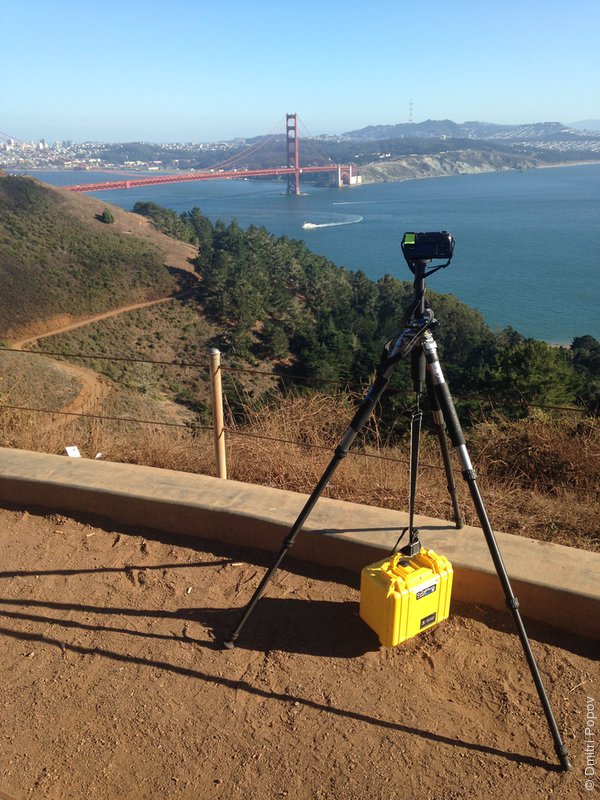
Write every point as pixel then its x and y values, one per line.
pixel 228 430
pixel 344 385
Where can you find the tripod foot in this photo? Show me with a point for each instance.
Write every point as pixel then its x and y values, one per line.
pixel 228 644
pixel 565 761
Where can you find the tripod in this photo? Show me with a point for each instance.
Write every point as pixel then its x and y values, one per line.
pixel 416 338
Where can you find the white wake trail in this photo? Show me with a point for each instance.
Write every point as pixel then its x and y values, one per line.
pixel 311 225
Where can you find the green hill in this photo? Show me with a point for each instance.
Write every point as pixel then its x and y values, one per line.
pixel 59 260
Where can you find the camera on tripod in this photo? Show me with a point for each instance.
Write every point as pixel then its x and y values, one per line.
pixel 409 591
pixel 427 246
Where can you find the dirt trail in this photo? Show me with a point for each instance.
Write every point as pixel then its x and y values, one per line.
pixel 70 326
pixel 94 389
pixel 176 255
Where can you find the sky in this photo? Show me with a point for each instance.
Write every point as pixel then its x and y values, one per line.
pixel 207 70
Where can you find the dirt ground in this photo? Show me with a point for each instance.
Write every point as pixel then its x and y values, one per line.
pixel 113 684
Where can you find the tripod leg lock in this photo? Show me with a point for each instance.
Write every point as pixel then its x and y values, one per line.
pixel 469 475
pixel 341 451
pixel 512 603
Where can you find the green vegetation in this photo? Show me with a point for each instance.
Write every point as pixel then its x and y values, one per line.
pixel 273 299
pixel 53 262
pixel 586 361
pixel 107 217
pixel 190 226
pixel 265 301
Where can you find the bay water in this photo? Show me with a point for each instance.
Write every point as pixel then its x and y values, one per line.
pixel 527 249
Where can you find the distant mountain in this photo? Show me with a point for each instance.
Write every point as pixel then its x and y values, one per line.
pixel 447 129
pixel 429 128
pixel 587 125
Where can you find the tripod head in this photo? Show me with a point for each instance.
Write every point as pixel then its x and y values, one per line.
pixel 420 249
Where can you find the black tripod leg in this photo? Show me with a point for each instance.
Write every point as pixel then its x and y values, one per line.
pixel 419 375
pixel 457 438
pixel 415 437
pixel 358 421
pixel 513 605
pixel 414 544
pixel 440 427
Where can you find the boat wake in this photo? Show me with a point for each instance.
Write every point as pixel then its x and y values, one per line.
pixel 311 225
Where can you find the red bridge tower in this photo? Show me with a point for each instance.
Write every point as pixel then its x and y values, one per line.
pixel 293 162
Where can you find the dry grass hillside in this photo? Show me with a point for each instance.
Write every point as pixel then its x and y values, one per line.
pixel 60 263
pixel 175 253
pixel 539 476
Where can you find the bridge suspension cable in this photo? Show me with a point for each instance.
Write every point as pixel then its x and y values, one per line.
pixel 7 136
pixel 310 141
pixel 250 150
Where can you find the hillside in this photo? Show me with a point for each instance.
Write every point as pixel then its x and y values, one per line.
pixel 59 262
pixel 458 162
pixel 533 132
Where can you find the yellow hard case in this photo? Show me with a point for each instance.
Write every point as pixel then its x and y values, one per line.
pixel 402 596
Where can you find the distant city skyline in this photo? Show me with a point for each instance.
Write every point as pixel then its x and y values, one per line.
pixel 188 71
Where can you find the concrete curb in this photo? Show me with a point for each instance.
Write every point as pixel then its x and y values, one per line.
pixel 555 584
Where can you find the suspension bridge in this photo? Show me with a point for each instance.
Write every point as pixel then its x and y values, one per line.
pixel 341 174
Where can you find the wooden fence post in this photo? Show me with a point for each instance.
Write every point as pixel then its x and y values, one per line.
pixel 216 401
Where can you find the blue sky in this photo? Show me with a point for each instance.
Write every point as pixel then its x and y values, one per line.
pixel 201 70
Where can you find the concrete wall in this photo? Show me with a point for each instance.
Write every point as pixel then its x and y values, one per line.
pixel 554 584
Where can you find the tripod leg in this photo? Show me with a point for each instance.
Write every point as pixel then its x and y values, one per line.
pixel 415 434
pixel 358 421
pixel 440 427
pixel 229 643
pixel 414 544
pixel 442 392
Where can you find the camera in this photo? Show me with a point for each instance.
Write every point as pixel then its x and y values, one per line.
pixel 426 246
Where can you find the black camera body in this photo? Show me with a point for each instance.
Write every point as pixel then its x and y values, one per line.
pixel 427 246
